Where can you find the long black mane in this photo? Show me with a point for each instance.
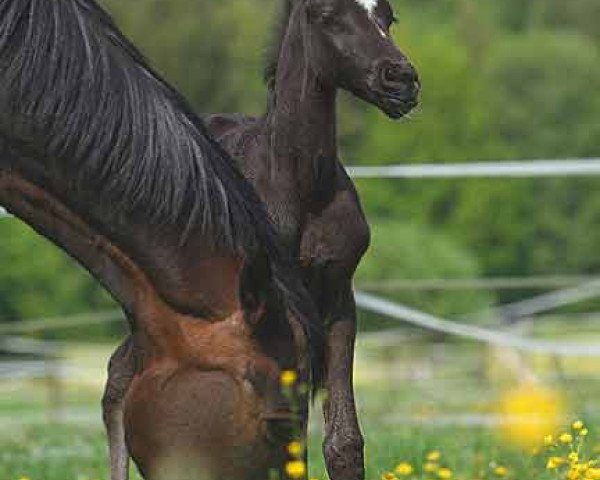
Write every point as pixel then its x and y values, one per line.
pixel 78 96
pixel 83 96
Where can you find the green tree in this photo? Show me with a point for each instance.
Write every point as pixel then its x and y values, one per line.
pixel 37 279
pixel 406 251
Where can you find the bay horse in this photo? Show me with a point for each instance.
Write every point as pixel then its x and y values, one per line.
pixel 290 156
pixel 103 157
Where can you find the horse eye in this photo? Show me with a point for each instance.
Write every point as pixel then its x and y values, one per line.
pixel 320 14
pixel 390 21
pixel 327 16
pixel 384 25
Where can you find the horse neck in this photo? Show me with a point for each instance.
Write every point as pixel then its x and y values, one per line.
pixel 71 219
pixel 108 263
pixel 302 117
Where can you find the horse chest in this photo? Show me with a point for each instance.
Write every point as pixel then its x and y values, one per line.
pixel 336 237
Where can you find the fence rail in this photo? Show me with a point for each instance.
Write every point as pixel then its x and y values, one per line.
pixel 493 337
pixel 575 167
pixel 45 324
pixel 516 168
pixel 481 283
pixel 28 346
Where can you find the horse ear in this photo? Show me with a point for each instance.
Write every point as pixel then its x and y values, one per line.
pixel 256 282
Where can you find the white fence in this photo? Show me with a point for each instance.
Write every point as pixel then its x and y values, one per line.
pixel 587 289
pixel 496 338
pixel 517 168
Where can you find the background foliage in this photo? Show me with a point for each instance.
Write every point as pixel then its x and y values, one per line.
pixel 501 80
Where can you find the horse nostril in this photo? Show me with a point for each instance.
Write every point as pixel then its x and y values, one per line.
pixel 416 87
pixel 400 76
pixel 393 74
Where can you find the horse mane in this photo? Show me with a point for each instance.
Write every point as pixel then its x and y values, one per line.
pixel 273 50
pixel 77 95
pixel 84 98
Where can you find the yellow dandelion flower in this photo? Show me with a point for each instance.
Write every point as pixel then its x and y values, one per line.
pixel 388 476
pixel 529 412
pixel 573 474
pixel 404 469
pixel 433 456
pixel 555 462
pixel 24 477
pixel 583 432
pixel 578 425
pixel 565 438
pixel 444 473
pixel 431 467
pixel 573 457
pixel 593 474
pixel 501 471
pixel 295 469
pixel 548 440
pixel 295 448
pixel 288 378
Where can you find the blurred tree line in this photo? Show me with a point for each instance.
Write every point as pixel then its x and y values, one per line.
pixel 501 81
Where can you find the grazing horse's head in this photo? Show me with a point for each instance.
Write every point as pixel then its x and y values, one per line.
pixel 348 44
pixel 209 402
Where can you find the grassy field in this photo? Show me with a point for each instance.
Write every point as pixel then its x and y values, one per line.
pixel 413 398
pixel 66 452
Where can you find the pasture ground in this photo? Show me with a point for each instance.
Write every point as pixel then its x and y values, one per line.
pixel 414 397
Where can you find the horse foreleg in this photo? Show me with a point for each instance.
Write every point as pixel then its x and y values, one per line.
pixel 343 445
pixel 121 370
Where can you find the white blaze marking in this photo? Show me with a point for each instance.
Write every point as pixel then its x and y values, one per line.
pixel 380 30
pixel 368 5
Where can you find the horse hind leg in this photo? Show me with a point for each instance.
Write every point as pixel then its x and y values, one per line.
pixel 121 370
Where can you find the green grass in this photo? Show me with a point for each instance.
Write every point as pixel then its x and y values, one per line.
pixel 413 398
pixel 53 452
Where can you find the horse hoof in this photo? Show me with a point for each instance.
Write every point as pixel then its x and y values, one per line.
pixel 344 458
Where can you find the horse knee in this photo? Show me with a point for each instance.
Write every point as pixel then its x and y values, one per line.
pixel 121 370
